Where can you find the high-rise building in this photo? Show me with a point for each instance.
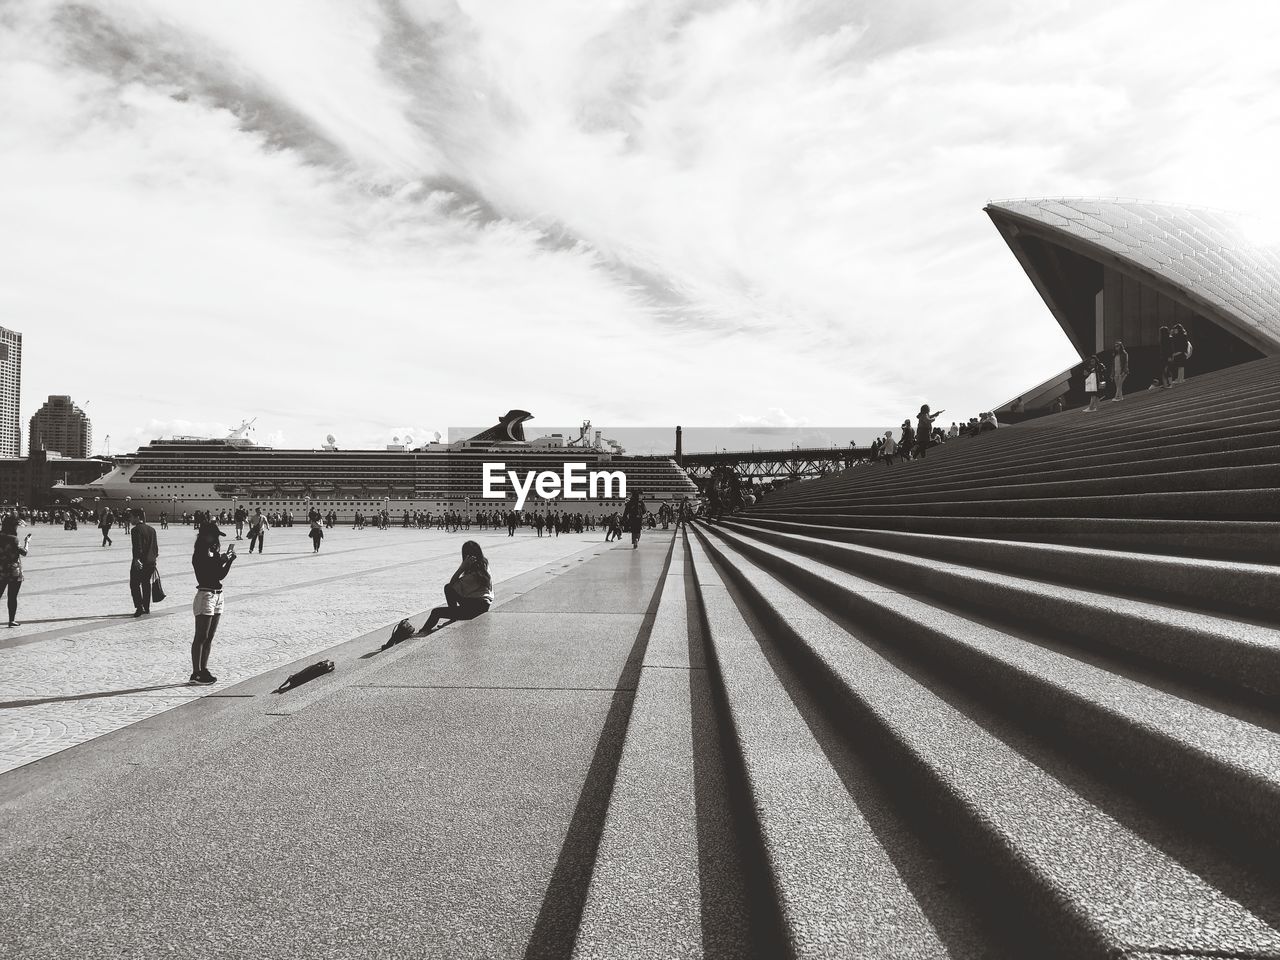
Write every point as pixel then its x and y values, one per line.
pixel 62 427
pixel 10 392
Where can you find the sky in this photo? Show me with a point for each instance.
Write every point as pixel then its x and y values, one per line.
pixel 380 219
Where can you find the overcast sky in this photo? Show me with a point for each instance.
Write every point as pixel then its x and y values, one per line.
pixel 377 218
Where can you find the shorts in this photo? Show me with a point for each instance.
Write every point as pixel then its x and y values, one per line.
pixel 207 603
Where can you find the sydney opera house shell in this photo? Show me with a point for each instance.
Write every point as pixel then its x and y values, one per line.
pixel 1121 269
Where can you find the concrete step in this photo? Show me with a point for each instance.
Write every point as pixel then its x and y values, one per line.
pixel 838 892
pixel 1217 765
pixel 654 891
pixel 1236 652
pixel 1242 589
pixel 1231 540
pixel 976 458
pixel 1211 504
pixel 1014 834
pixel 1233 451
pixel 1174 481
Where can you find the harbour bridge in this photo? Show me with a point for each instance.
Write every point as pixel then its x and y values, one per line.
pixel 798 463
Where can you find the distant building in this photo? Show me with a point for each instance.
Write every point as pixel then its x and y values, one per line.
pixel 61 427
pixel 30 481
pixel 10 392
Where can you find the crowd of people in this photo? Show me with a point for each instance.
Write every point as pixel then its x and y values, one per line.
pixel 915 440
pixel 468 593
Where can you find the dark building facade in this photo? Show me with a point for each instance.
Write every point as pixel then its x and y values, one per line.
pixel 1121 269
pixel 61 427
pixel 29 481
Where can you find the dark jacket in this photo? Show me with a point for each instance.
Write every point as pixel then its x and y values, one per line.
pixel 210 568
pixel 145 547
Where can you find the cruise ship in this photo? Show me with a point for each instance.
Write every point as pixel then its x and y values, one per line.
pixel 184 474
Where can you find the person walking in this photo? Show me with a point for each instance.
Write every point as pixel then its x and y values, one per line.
pixel 105 523
pixel 633 517
pixel 145 552
pixel 317 534
pixel 1119 369
pixel 211 568
pixel 888 449
pixel 469 591
pixel 11 554
pixel 258 526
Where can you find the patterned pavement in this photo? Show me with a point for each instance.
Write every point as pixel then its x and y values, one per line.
pixel 80 665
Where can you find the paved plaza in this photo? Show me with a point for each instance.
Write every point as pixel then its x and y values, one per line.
pixel 444 798
pixel 81 666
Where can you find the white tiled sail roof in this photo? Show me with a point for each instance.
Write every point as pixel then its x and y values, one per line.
pixel 1211 254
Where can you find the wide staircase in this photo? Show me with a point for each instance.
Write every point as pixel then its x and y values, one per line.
pixel 1017 699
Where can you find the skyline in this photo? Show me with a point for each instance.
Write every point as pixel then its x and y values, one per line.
pixel 379 219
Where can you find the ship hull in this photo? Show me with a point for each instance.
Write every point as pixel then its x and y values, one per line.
pixel 173 479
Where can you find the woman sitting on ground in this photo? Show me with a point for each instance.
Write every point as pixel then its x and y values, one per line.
pixel 469 591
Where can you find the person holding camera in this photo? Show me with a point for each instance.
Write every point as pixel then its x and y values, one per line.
pixel 469 591
pixel 211 568
pixel 11 554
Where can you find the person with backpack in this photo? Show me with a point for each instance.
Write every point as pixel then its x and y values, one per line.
pixel 469 592
pixel 317 534
pixel 257 529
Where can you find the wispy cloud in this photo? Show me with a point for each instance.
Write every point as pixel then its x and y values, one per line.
pixel 360 215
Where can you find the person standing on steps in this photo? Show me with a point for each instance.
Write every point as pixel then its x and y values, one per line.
pixel 469 591
pixel 633 517
pixel 1091 384
pixel 257 529
pixel 1179 354
pixel 924 429
pixel 1165 356
pixel 145 552
pixel 105 523
pixel 1119 369
pixel 211 568
pixel 11 554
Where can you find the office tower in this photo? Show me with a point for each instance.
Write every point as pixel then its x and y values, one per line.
pixel 60 426
pixel 10 392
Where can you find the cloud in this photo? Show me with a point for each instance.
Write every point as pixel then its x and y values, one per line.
pixel 343 216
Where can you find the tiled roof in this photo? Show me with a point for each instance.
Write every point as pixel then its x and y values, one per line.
pixel 1208 253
